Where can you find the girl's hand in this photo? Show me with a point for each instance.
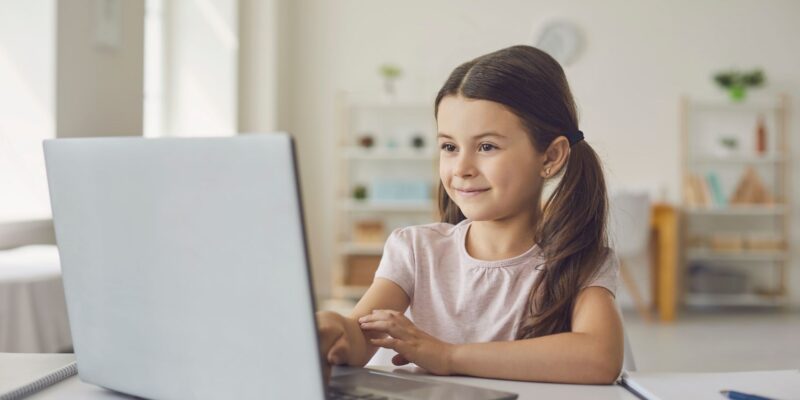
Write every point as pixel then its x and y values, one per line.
pixel 411 343
pixel 334 346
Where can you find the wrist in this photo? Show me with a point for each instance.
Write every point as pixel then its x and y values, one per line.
pixel 357 342
pixel 451 358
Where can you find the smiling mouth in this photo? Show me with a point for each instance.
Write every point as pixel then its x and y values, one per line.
pixel 471 192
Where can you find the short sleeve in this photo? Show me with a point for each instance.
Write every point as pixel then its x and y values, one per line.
pixel 608 274
pixel 397 262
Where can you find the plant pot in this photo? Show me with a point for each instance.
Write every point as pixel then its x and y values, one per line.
pixel 737 93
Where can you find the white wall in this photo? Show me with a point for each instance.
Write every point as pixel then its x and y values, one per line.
pixel 99 87
pixel 201 50
pixel 259 86
pixel 640 57
pixel 27 102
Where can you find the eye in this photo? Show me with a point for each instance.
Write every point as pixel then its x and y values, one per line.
pixel 487 147
pixel 448 147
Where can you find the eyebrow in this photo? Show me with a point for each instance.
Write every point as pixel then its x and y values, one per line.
pixel 481 136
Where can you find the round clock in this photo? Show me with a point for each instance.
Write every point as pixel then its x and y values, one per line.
pixel 560 39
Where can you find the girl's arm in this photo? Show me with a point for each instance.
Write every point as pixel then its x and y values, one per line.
pixel 347 343
pixel 591 354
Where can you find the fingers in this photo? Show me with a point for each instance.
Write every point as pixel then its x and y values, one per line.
pixel 382 315
pixel 331 333
pixel 390 327
pixel 387 321
pixel 339 353
pixel 387 342
pixel 330 329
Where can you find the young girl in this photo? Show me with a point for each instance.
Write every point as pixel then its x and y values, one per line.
pixel 504 287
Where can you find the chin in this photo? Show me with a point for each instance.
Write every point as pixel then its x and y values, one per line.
pixel 478 215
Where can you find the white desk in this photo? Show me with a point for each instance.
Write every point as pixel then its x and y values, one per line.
pixel 74 388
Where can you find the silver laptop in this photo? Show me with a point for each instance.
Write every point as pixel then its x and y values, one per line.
pixel 186 272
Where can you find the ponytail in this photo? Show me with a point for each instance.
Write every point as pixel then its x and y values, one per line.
pixel 573 241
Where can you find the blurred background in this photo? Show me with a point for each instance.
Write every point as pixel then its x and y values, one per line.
pixel 692 106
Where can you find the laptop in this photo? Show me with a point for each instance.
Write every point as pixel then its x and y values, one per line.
pixel 186 272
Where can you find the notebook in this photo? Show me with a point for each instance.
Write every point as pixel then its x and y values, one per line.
pixel 782 384
pixel 33 372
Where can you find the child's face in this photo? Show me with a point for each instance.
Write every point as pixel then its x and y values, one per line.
pixel 487 163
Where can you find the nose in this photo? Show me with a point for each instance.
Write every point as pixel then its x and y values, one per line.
pixel 464 165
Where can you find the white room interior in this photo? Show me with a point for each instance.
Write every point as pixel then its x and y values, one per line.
pixel 226 67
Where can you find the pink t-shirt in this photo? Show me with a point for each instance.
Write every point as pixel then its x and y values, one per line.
pixel 460 299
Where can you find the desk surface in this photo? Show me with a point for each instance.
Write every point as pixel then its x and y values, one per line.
pixel 74 388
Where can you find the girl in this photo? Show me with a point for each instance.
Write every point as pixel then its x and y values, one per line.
pixel 504 287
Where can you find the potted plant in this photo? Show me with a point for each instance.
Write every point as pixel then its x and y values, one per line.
pixel 737 82
pixel 390 73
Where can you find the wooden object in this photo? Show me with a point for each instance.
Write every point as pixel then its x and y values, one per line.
pixel 759 200
pixel 361 269
pixel 751 190
pixel 664 225
pixel 368 231
pixel 727 242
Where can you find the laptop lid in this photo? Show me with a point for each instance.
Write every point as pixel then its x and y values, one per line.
pixel 185 267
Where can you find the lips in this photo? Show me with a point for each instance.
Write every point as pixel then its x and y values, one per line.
pixel 470 192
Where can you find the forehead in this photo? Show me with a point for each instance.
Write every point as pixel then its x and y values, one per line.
pixel 460 117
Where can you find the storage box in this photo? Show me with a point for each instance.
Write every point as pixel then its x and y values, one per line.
pixel 708 279
pixel 765 242
pixel 368 231
pixel 726 242
pixel 400 190
pixel 360 269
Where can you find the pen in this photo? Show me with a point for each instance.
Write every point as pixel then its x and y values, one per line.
pixel 734 395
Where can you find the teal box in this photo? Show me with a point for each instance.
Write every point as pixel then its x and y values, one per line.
pixel 400 190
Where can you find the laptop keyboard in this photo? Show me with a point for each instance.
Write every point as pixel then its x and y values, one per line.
pixel 339 394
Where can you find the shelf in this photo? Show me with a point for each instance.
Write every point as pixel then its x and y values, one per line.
pixel 351 248
pixel 752 105
pixel 737 210
pixel 733 300
pixel 744 255
pixel 396 206
pixel 355 153
pixel 761 160
pixel 709 170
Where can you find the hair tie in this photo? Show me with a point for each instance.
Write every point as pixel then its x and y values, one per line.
pixel 574 137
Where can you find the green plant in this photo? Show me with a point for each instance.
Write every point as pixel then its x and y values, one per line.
pixel 730 143
pixel 390 71
pixel 737 82
pixel 728 79
pixel 360 192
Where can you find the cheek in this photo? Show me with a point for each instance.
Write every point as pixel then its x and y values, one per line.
pixel 444 172
pixel 521 182
pixel 446 177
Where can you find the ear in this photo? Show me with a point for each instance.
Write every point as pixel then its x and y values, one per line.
pixel 555 157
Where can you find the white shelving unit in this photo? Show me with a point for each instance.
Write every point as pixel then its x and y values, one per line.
pixel 392 159
pixel 724 237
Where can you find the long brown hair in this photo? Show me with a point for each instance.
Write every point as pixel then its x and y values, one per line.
pixel 571 232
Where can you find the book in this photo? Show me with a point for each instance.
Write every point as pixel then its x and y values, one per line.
pixel 716 189
pixel 37 372
pixel 697 192
pixel 707 201
pixel 781 384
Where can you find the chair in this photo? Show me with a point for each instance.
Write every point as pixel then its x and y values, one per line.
pixel 629 232
pixel 628 362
